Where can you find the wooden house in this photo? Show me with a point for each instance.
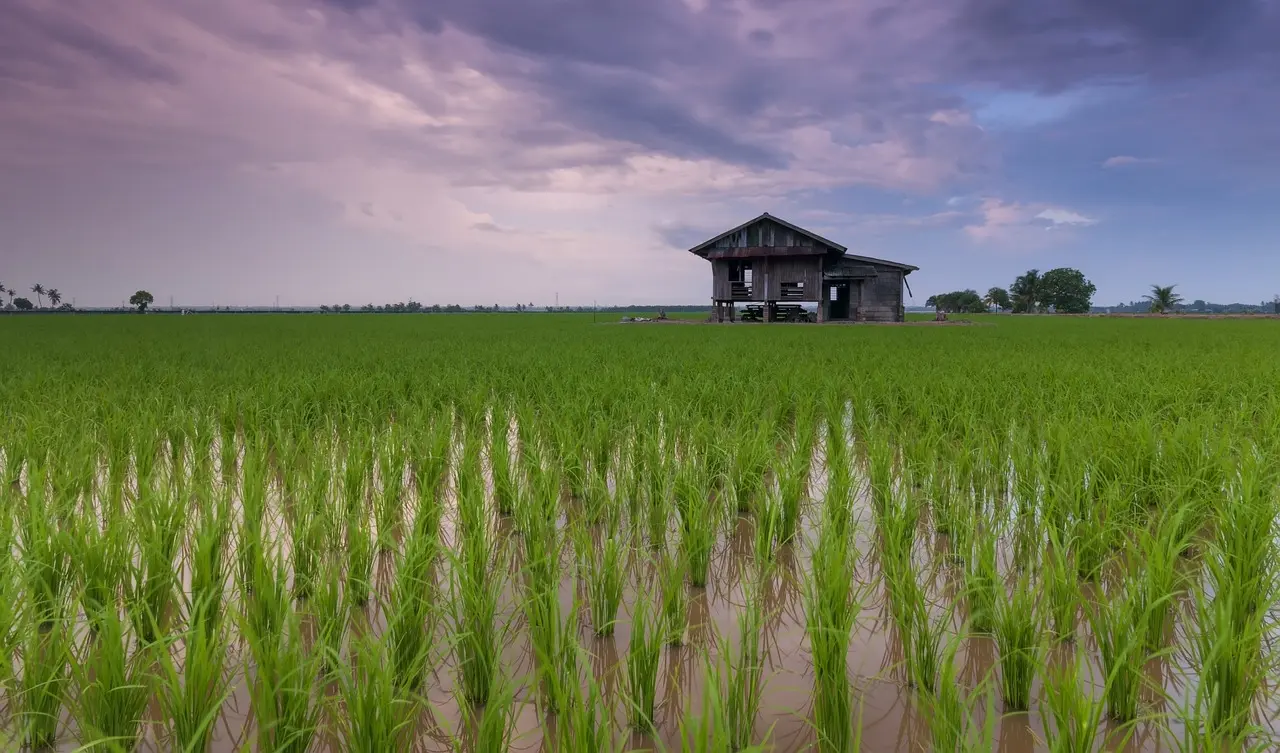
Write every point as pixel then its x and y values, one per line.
pixel 773 265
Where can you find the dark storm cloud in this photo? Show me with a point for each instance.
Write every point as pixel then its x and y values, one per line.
pixel 1058 43
pixel 38 46
pixel 688 82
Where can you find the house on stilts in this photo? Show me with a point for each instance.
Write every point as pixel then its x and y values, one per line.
pixel 773 267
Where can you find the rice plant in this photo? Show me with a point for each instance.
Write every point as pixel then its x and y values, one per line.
pixel 602 568
pixel 475 591
pixel 194 688
pixel 1018 635
pixel 376 714
pixel 832 604
pixel 41 693
pixel 675 596
pixel 114 682
pixel 1118 628
pixel 643 654
pixel 742 670
pixel 282 687
pixel 1073 714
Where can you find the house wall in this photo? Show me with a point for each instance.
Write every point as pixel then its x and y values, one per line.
pixel 768 274
pixel 882 301
pixel 802 269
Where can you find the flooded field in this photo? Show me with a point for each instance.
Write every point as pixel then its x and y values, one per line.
pixel 535 534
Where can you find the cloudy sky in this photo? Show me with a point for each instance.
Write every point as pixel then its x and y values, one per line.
pixel 495 151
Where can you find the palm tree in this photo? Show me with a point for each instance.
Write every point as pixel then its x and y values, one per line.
pixel 11 293
pixel 54 297
pixel 38 289
pixel 1027 292
pixel 1163 299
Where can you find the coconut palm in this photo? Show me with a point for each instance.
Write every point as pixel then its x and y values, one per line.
pixel 1028 292
pixel 54 297
pixel 1163 299
pixel 38 289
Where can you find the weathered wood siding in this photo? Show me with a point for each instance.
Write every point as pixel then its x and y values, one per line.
pixel 806 270
pixel 883 296
pixel 766 233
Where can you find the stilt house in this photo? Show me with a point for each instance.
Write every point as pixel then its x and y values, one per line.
pixel 770 265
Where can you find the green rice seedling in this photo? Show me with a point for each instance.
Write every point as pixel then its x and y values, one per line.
pixel 208 570
pixel 389 504
pixel 1161 552
pixel 1090 535
pixel 602 567
pixel 925 644
pixel 657 485
pixel 675 596
pixel 44 553
pixel 282 687
pixel 504 480
pixel 411 615
pixel 643 655
pixel 750 462
pixel 982 584
pixel 266 598
pixel 585 724
pixel 307 530
pixel 1117 624
pixel 552 636
pixel 948 710
pixel 46 656
pixel 1061 590
pixel 1017 634
pixel 742 671
pixel 708 730
pixel 330 609
pixel 1227 646
pixel 1073 715
pixel 793 477
pixel 476 588
pixel 360 554
pixel 832 606
pixel 491 729
pixel 101 562
pixel 766 530
pixel 192 695
pixel 880 458
pixel 700 524
pixel 114 685
pixel 11 607
pixel 375 714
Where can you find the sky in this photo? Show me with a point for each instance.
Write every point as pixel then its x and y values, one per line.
pixel 504 151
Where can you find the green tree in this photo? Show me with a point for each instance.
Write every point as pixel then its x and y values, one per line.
pixel 142 299
pixel 1067 291
pixel 1163 299
pixel 23 304
pixel 1028 293
pixel 958 302
pixel 38 289
pixel 998 298
pixel 54 297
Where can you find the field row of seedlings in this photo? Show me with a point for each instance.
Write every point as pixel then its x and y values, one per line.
pixel 506 551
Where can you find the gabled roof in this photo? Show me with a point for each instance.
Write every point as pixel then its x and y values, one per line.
pixel 701 248
pixel 907 268
pixel 698 249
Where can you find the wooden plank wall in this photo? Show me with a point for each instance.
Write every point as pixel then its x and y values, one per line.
pixel 806 269
pixel 883 302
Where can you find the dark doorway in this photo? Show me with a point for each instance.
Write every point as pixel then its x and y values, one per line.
pixel 838 308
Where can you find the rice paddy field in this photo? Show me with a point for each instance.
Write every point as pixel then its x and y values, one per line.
pixel 531 532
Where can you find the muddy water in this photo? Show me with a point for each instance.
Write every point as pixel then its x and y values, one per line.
pixel 892 717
